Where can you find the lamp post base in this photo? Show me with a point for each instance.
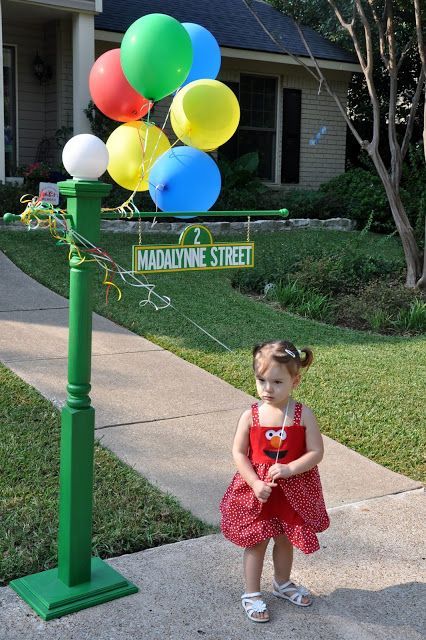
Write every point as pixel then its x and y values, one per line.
pixel 51 598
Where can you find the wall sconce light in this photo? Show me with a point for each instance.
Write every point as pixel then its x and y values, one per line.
pixel 42 71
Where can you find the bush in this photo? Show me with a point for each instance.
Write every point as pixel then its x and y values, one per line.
pixel 342 272
pixel 10 195
pixel 413 319
pixel 383 306
pixel 311 204
pixel 360 194
pixel 241 188
pixel 292 297
pixel 414 190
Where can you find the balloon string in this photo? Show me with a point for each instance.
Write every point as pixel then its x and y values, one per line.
pixel 128 205
pixel 103 259
pixel 282 431
pixel 165 300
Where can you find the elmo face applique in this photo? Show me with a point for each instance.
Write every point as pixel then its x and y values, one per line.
pixel 275 441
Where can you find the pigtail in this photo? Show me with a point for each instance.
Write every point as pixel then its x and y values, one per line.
pixel 284 352
pixel 306 356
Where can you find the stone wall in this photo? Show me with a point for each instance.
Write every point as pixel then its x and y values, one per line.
pixel 224 228
pixel 217 228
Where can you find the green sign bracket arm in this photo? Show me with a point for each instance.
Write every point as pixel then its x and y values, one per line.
pixel 12 217
pixel 282 213
pixel 110 215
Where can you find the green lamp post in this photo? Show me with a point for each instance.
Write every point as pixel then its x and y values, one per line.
pixel 80 580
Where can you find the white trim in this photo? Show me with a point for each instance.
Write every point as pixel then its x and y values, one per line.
pixel 108 36
pixel 15 80
pixel 15 46
pixel 279 132
pixel 89 6
pixel 83 55
pixel 263 56
pixel 259 56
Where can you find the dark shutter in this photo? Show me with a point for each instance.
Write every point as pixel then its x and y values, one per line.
pixel 290 161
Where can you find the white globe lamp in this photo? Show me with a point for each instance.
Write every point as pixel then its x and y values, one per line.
pixel 85 157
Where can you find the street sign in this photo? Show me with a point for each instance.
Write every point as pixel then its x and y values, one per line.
pixel 196 251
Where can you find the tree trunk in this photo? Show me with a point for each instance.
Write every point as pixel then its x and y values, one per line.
pixel 405 230
pixel 422 281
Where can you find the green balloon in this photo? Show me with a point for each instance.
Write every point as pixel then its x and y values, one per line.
pixel 156 55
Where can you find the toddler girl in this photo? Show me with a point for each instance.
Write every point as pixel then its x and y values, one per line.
pixel 276 492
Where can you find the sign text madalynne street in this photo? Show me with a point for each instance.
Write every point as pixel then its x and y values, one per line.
pixel 196 251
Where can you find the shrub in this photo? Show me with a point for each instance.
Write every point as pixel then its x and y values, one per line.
pixel 292 297
pixel 311 204
pixel 413 319
pixel 414 190
pixel 10 195
pixel 342 272
pixel 384 307
pixel 361 193
pixel 241 188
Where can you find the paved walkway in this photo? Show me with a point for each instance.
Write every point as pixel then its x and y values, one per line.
pixel 367 574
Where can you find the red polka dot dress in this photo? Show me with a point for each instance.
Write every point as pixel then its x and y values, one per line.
pixel 295 507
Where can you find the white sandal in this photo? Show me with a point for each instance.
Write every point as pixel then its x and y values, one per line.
pixel 252 604
pixel 289 591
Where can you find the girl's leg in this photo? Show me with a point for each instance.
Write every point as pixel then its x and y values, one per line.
pixel 253 565
pixel 282 555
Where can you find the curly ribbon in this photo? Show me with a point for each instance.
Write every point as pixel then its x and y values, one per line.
pixel 86 251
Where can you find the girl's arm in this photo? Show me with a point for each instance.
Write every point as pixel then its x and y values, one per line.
pixel 262 490
pixel 314 451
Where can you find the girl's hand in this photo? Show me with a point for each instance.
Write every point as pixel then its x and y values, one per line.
pixel 262 490
pixel 279 471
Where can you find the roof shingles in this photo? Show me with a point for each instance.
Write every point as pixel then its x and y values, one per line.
pixel 230 21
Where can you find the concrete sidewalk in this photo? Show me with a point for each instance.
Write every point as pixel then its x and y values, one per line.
pixel 367 573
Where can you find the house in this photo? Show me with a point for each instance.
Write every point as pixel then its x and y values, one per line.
pixel 49 47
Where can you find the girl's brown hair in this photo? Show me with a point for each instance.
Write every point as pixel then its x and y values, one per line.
pixel 283 352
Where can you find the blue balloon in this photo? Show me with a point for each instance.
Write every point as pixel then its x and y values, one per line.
pixel 207 58
pixel 184 179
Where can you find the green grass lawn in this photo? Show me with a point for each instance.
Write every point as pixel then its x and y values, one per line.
pixel 367 390
pixel 129 513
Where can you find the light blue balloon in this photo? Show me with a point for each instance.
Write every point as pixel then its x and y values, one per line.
pixel 184 179
pixel 207 58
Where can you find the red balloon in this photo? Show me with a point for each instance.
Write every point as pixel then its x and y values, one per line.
pixel 112 93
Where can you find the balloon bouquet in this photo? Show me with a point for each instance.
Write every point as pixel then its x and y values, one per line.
pixel 160 56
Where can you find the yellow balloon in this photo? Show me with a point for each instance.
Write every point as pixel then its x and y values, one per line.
pixel 205 114
pixel 133 148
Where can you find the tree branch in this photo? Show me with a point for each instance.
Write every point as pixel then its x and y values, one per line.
pixel 368 73
pixel 404 52
pixel 422 52
pixel 410 122
pixel 395 149
pixel 349 26
pixel 382 40
pixel 319 76
pixel 332 93
pixel 278 42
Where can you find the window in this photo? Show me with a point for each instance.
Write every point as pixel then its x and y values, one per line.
pixel 9 92
pixel 257 96
pixel 290 161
